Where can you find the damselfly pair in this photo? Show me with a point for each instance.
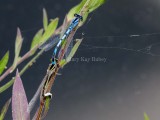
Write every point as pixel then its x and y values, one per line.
pixel 55 39
pixel 57 42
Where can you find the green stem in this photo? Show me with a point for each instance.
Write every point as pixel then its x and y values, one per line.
pixel 29 64
pixel 11 69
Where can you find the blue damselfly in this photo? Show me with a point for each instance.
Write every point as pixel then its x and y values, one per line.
pixel 57 41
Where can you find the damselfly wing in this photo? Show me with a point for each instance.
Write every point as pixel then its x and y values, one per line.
pixel 50 43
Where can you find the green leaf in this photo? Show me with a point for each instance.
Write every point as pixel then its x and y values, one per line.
pixel 84 8
pixel 73 51
pixel 45 19
pixel 146 117
pixel 36 39
pixel 94 4
pixel 49 31
pixel 63 62
pixel 3 62
pixel 4 109
pixel 18 45
pixel 75 9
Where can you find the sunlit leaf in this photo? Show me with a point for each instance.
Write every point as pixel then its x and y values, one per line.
pixel 62 62
pixel 75 9
pixel 95 4
pixel 74 49
pixel 18 45
pixel 49 31
pixel 84 8
pixel 71 54
pixel 90 7
pixel 4 109
pixel 36 39
pixel 45 19
pixel 19 100
pixel 146 117
pixel 3 62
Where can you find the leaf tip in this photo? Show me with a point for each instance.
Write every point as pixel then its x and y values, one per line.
pixel 17 73
pixel 18 31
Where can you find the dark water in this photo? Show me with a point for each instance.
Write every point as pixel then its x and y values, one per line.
pixel 121 88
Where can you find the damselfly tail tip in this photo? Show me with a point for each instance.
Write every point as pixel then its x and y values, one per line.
pixel 48 95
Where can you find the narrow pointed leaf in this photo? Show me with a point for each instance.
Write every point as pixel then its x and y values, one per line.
pixel 3 62
pixel 49 31
pixel 63 62
pixel 45 19
pixel 71 54
pixel 18 45
pixel 19 100
pixel 95 4
pixel 4 109
pixel 87 6
pixel 36 39
pixel 74 49
pixel 146 117
pixel 75 9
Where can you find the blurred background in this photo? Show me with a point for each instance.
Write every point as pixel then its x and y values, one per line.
pixel 120 80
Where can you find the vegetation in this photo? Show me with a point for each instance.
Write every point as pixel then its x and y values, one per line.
pixel 22 111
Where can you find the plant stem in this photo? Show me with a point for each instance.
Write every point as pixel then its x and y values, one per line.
pixel 27 55
pixel 10 70
pixel 29 64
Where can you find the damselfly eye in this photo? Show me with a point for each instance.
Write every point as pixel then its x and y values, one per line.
pixel 78 16
pixel 75 15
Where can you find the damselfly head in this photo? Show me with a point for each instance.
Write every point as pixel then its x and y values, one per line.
pixel 78 16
